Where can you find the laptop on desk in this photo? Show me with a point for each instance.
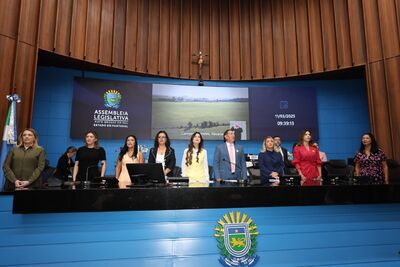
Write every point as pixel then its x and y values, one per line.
pixel 146 174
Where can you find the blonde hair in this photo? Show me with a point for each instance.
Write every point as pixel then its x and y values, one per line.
pixel 263 148
pixel 21 141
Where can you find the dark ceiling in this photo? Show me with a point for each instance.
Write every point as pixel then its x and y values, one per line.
pixel 51 59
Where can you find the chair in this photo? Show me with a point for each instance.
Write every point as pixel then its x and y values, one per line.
pixel 394 171
pixel 177 171
pixel 47 178
pixel 255 175
pixel 211 172
pixel 337 172
pixel 290 169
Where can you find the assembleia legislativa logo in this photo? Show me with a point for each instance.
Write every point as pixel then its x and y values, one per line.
pixel 236 235
pixel 112 98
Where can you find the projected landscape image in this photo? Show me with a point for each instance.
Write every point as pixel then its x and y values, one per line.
pixel 182 110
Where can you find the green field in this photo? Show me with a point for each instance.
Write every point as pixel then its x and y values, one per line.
pixel 175 116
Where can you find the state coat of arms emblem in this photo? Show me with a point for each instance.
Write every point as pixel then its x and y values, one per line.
pixel 236 236
pixel 112 99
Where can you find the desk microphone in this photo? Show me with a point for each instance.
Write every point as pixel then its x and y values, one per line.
pixel 87 182
pixel 224 159
pixel 236 166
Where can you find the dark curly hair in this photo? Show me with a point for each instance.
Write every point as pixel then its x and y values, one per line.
pixel 125 148
pixel 374 144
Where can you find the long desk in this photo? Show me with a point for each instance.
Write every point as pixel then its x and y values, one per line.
pixel 215 196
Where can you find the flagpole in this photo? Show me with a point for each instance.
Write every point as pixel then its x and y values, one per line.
pixel 10 133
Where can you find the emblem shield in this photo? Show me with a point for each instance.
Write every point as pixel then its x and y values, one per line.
pixel 112 99
pixel 237 239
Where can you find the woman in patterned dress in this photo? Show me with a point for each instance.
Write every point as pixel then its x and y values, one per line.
pixel 370 160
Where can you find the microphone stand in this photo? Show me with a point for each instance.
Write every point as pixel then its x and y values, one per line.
pixel 239 181
pixel 86 183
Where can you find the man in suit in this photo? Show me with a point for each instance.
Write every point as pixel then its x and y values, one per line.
pixel 229 160
pixel 281 150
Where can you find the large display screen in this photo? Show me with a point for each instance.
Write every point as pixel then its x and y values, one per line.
pixel 115 109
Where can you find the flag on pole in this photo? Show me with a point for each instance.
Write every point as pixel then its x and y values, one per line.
pixel 10 133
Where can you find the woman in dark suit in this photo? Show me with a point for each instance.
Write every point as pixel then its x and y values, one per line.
pixel 65 163
pixel 163 153
pixel 270 162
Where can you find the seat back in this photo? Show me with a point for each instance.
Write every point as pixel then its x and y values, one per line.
pixel 177 171
pixel 255 175
pixel 394 171
pixel 337 172
pixel 211 172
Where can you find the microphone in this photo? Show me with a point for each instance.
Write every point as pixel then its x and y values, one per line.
pixel 87 182
pixel 236 166
pixel 239 168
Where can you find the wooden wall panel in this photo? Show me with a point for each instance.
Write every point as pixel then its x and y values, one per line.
pixel 24 83
pixel 164 44
pixel 357 36
pixel 372 31
pixel 342 34
pixel 328 35
pixel 256 47
pixel 9 15
pixel 93 30
pixel 205 35
pixel 378 105
pixel 63 27
pixel 290 38
pixel 29 21
pixel 388 28
pixel 314 23
pixel 278 39
pixel 234 39
pixel 303 37
pixel 195 33
pixel 392 67
pixel 118 42
pixel 267 39
pixel 131 34
pixel 214 40
pixel 7 51
pixel 78 29
pixel 245 45
pixel 398 15
pixel 185 53
pixel 153 37
pixel 48 24
pixel 142 36
pixel 106 32
pixel 174 38
pixel 224 52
